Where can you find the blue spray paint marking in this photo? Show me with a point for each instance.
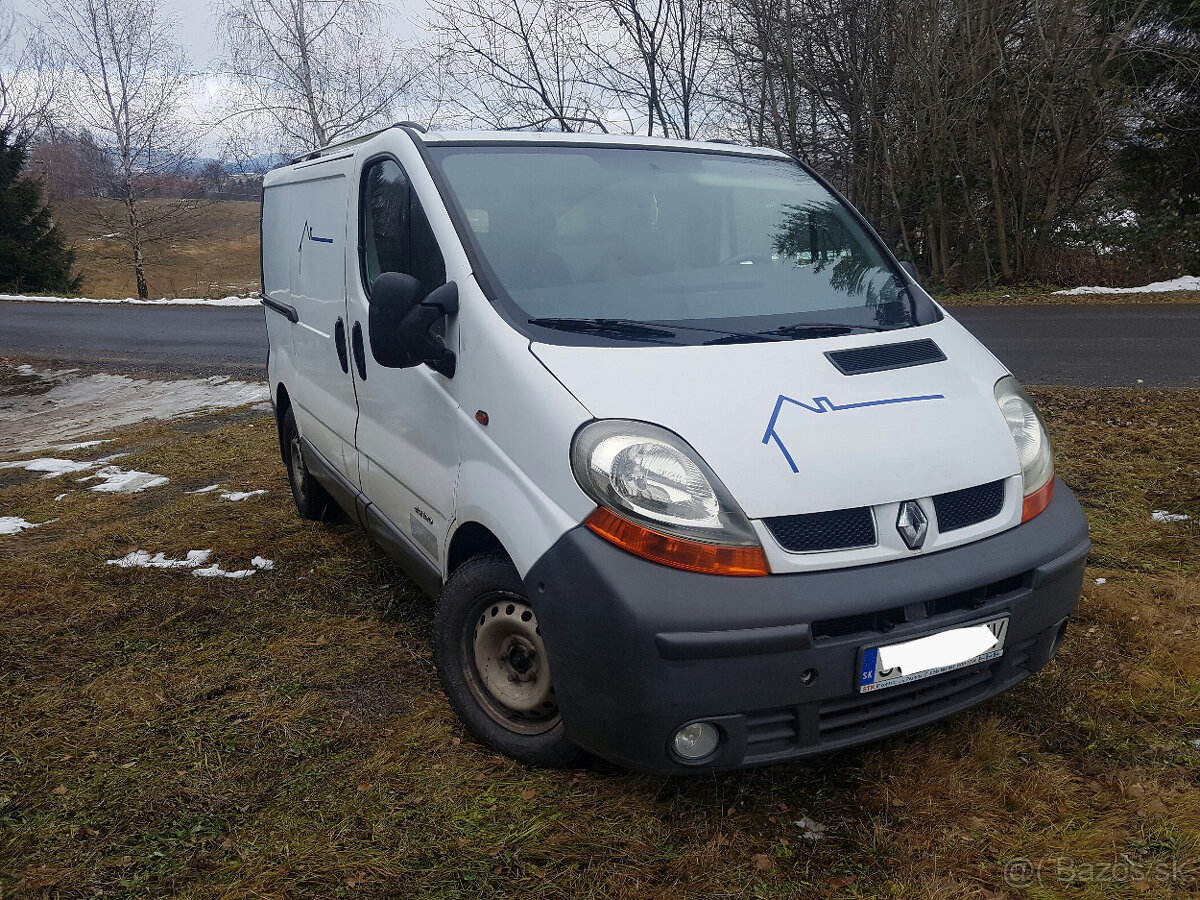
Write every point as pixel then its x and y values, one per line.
pixel 824 405
pixel 306 232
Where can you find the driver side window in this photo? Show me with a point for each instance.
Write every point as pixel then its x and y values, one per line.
pixel 394 235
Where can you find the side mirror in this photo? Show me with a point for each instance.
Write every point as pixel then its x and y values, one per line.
pixel 400 323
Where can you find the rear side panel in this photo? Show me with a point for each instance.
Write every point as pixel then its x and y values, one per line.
pixel 304 235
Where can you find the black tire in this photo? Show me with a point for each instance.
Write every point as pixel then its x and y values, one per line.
pixel 312 500
pixel 483 615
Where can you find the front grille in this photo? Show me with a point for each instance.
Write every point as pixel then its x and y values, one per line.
pixel 774 731
pixel 885 620
pixel 842 529
pixel 866 712
pixel 882 357
pixel 960 509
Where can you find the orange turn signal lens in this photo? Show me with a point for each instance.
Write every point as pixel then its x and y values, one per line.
pixel 1038 500
pixel 674 551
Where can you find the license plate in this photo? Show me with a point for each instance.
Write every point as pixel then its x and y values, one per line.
pixel 885 666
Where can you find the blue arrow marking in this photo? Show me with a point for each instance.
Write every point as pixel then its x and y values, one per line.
pixel 825 405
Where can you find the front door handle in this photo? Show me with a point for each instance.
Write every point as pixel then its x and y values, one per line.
pixel 339 341
pixel 360 357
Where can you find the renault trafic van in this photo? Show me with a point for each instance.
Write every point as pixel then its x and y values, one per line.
pixel 700 477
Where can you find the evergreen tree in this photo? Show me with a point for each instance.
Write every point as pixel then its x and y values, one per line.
pixel 1160 160
pixel 33 255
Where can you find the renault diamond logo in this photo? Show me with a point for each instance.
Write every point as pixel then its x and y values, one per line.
pixel 912 523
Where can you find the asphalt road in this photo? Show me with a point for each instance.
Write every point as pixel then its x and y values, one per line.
pixel 1152 345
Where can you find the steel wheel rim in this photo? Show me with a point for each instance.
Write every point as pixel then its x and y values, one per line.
pixel 504 659
pixel 297 467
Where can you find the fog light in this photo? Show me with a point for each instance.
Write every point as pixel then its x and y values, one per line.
pixel 697 740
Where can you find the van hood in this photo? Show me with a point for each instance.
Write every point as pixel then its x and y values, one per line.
pixel 788 433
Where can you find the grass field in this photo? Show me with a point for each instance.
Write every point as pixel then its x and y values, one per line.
pixel 215 255
pixel 284 735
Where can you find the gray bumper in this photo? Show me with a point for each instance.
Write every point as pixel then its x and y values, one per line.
pixel 638 649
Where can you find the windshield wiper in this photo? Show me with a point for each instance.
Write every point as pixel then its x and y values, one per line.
pixel 619 328
pixel 831 328
pixel 658 328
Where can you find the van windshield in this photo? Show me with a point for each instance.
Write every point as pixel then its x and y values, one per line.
pixel 670 246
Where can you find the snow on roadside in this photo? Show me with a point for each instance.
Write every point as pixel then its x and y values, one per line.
pixel 141 559
pixel 216 571
pixel 50 467
pixel 194 559
pixel 116 480
pixel 205 490
pixel 1161 515
pixel 162 301
pixel 15 525
pixel 1183 283
pixel 72 406
pixel 235 496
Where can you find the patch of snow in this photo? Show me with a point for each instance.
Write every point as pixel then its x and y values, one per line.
pixel 264 564
pixel 217 572
pixel 15 525
pixel 240 495
pixel 1195 743
pixel 141 559
pixel 49 466
pixel 810 829
pixel 1183 283
pixel 1161 515
pixel 162 301
pixel 77 406
pixel 205 490
pixel 60 496
pixel 82 445
pixel 124 481
pixel 1101 581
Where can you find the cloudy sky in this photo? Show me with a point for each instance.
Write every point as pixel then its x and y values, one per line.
pixel 197 32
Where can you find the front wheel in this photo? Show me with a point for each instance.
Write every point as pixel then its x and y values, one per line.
pixel 492 664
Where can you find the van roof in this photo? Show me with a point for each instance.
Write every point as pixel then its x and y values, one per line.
pixel 537 137
pixel 615 140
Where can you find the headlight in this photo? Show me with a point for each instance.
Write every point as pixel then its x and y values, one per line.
pixel 660 500
pixel 1032 444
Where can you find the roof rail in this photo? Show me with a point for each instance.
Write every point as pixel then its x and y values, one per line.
pixel 340 145
pixel 723 141
pixel 415 126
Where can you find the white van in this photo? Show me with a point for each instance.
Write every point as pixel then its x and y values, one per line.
pixel 700 477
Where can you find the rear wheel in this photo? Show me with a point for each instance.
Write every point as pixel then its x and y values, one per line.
pixel 312 500
pixel 492 664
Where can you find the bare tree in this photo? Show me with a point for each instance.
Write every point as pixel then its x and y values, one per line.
pixel 29 74
pixel 125 82
pixel 308 72
pixel 518 63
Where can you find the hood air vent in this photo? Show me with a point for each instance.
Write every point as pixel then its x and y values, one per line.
pixel 880 358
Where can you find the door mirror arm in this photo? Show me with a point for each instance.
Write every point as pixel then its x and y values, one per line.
pixel 423 346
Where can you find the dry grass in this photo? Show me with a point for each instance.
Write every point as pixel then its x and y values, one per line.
pixel 1035 295
pixel 285 736
pixel 215 256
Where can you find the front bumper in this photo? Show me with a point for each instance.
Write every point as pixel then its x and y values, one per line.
pixel 638 649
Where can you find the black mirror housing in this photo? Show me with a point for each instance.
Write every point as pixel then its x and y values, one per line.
pixel 393 295
pixel 400 321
